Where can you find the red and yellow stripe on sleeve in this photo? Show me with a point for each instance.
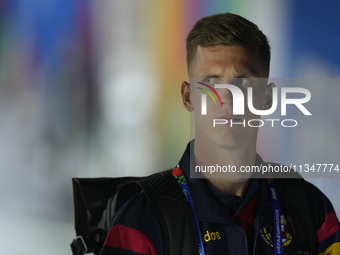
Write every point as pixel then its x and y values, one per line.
pixel 329 233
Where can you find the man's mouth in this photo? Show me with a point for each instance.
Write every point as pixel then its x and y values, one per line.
pixel 229 117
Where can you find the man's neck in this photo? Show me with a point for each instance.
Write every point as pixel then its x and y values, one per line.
pixel 226 187
pixel 209 154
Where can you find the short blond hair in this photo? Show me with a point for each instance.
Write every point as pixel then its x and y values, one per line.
pixel 230 30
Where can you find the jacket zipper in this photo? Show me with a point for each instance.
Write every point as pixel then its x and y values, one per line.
pixel 245 235
pixel 255 243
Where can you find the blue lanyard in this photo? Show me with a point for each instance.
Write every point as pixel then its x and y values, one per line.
pixel 188 196
pixel 278 249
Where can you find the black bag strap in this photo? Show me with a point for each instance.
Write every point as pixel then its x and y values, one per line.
pixel 80 245
pixel 173 212
pixel 297 202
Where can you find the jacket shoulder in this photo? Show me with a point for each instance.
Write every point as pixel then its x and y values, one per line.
pixel 326 222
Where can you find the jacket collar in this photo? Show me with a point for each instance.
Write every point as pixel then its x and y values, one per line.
pixel 208 209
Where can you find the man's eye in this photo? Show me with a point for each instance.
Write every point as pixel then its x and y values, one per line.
pixel 242 82
pixel 212 80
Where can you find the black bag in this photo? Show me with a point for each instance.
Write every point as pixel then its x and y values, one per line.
pixel 95 202
pixel 97 199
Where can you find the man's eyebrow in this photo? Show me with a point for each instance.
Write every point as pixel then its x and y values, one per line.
pixel 211 75
pixel 247 73
pixel 240 73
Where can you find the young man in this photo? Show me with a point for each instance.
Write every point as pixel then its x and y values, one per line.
pixel 234 212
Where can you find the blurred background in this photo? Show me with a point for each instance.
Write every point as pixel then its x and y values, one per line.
pixel 92 89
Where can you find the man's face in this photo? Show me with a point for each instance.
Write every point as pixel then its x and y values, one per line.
pixel 227 65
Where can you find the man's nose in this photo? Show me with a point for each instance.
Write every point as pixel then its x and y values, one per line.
pixel 226 96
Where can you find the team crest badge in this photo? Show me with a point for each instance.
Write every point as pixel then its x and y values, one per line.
pixel 268 233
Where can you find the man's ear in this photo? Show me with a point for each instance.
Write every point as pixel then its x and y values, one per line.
pixel 269 96
pixel 185 90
